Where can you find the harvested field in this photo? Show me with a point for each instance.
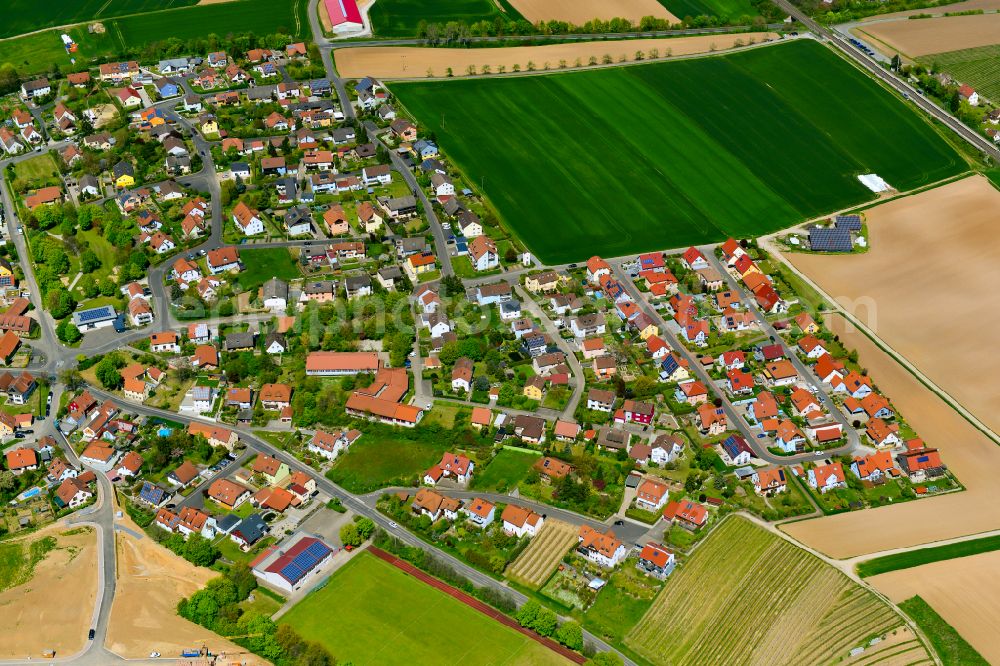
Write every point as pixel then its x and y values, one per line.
pixel 411 62
pixel 965 592
pixel 151 580
pixel 68 571
pixel 915 38
pixel 579 12
pixel 534 566
pixel 952 229
pixel 967 452
pixel 968 5
pixel 805 612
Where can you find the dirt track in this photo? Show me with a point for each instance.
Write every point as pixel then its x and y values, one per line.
pixel 915 38
pixel 53 610
pixel 411 62
pixel 580 11
pixel 965 592
pixel 151 580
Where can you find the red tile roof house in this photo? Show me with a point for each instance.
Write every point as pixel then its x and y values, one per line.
pixel 481 417
pixel 768 482
pixel 687 514
pixel 129 465
pixel 183 474
pixel 480 512
pixel 518 521
pixel 330 445
pixel 827 477
pixel 228 493
pixel 452 465
pixel 72 493
pixel 692 392
pixel 919 462
pixel 603 549
pixel 22 460
pixel 874 466
pixel 99 457
pixel 635 411
pixel 340 363
pixel 656 560
pixel 651 495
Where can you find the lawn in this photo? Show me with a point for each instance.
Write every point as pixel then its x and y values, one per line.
pixel 505 470
pixel 382 459
pixel 263 264
pixel 23 16
pixel 37 169
pixel 770 580
pixel 979 67
pixel 669 154
pixel 725 9
pixel 18 560
pixel 915 558
pixel 384 616
pixel 621 603
pixel 399 18
pixel 950 646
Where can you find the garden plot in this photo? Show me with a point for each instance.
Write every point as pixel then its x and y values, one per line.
pixel 535 564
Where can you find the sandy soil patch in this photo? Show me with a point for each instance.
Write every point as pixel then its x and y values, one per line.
pixel 151 580
pixel 581 11
pixel 324 18
pixel 985 5
pixel 965 592
pixel 402 62
pixel 60 598
pixel 936 35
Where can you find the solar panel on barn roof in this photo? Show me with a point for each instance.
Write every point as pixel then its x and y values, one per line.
pixel 830 240
pixel 850 222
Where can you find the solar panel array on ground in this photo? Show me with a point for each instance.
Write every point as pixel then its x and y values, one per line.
pixel 824 239
pixel 850 222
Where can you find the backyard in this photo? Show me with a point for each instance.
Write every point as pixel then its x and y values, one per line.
pixel 506 470
pixel 382 458
pixel 263 264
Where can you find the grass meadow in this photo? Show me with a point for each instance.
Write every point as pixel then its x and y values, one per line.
pixel 979 67
pixel 372 613
pixel 948 643
pixel 671 154
pixel 264 263
pixel 505 471
pixel 383 458
pixel 399 18
pixel 916 558
pixel 804 611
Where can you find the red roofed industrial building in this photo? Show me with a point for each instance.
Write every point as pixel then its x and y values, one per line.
pixel 344 15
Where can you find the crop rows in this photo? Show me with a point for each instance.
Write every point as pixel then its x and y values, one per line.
pixel 979 67
pixel 746 596
pixel 533 566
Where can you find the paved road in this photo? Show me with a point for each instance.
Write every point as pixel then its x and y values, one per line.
pixel 891 79
pixel 805 373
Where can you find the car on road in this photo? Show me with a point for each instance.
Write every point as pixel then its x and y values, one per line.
pixel 20 230
pixel 393 525
pixel 819 454
pixel 91 634
pixel 619 522
pixel 572 266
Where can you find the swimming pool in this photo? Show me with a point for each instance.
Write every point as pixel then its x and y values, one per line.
pixel 164 431
pixel 29 493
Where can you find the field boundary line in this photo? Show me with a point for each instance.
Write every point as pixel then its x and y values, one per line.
pixel 474 603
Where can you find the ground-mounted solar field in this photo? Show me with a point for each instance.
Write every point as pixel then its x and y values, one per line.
pixel 400 18
pixel 665 155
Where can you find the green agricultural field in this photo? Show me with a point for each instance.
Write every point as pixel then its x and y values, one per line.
pixel 670 154
pixel 505 470
pixel 726 9
pixel 916 558
pixel 384 458
pixel 399 18
pixel 742 571
pixel 949 644
pixel 263 264
pixel 979 67
pixel 384 616
pixel 263 17
pixel 21 16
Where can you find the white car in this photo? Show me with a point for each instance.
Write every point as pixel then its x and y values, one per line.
pixel 820 454
pixel 154 655
pixel 393 525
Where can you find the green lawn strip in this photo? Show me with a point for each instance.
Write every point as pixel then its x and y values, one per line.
pixel 387 612
pixel 263 264
pixel 648 158
pixel 381 459
pixel 948 643
pixel 18 560
pixel 505 471
pixel 915 558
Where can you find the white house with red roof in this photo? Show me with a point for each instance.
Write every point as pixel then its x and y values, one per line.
pixel 519 521
pixel 656 560
pixel 452 465
pixel 604 549
pixel 480 512
pixel 825 478
pixel 651 495
pixel 694 259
